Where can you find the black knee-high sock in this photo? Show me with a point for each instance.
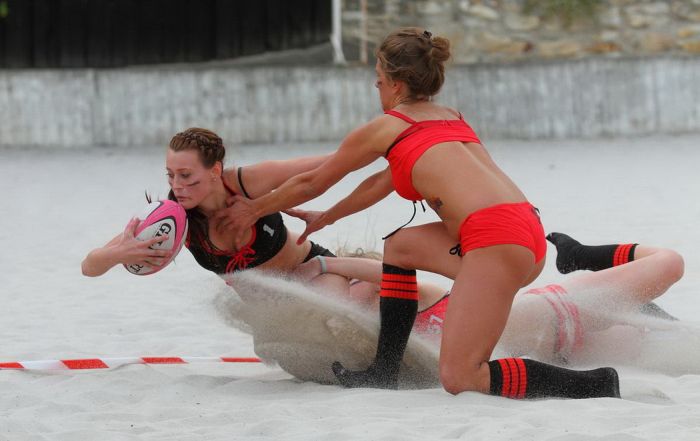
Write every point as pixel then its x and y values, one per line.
pixel 572 255
pixel 398 306
pixel 524 378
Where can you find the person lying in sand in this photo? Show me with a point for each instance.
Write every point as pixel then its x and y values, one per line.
pixel 569 322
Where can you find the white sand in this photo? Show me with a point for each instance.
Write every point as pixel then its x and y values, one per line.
pixel 59 205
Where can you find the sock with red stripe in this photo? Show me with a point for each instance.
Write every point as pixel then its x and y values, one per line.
pixel 572 255
pixel 525 378
pixel 398 306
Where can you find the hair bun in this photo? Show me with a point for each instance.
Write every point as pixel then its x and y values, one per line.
pixel 414 56
pixel 440 51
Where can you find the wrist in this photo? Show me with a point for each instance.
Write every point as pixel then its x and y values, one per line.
pixel 322 262
pixel 115 255
pixel 327 218
pixel 256 207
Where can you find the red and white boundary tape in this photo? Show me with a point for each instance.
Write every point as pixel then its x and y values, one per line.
pixel 108 363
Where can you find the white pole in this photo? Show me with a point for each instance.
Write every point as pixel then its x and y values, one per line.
pixel 336 35
pixel 363 31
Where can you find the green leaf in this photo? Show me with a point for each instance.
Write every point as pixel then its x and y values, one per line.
pixel 567 11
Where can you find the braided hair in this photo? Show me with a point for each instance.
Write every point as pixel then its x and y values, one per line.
pixel 209 144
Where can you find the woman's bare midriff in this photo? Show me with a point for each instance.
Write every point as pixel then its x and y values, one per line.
pixel 457 179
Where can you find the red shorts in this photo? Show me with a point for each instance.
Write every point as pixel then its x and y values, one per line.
pixel 504 224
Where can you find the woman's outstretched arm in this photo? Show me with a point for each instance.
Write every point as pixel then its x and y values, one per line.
pixel 360 148
pixel 369 192
pixel 261 178
pixel 125 249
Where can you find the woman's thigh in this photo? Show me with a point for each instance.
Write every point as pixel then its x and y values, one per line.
pixel 425 247
pixel 480 302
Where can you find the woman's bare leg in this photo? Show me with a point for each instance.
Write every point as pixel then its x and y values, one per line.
pixel 635 283
pixel 487 280
pixel 479 306
pixel 482 298
pixel 425 247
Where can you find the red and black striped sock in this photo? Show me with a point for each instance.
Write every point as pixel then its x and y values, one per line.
pixel 525 378
pixel 572 255
pixel 398 283
pixel 398 306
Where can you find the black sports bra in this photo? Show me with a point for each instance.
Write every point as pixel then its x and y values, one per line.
pixel 268 237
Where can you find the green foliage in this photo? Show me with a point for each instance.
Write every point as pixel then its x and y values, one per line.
pixel 4 9
pixel 567 11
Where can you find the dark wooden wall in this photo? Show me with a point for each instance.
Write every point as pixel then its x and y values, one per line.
pixel 112 33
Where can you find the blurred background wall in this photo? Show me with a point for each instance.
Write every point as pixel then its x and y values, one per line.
pixel 503 31
pixel 133 72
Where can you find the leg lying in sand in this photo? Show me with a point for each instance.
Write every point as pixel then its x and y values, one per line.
pixel 365 274
pixel 576 320
pixel 469 338
pixel 557 323
pixel 626 275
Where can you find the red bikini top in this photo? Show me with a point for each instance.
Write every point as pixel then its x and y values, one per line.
pixel 403 153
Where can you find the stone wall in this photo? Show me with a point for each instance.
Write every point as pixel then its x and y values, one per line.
pixel 514 30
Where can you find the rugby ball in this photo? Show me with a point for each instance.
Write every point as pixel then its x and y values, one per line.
pixel 160 218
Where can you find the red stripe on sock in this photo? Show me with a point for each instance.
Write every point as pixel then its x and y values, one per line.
pixel 408 295
pixel 522 378
pixel 624 250
pixel 622 254
pixel 406 278
pixel 625 257
pixel 505 373
pixel 514 378
pixel 399 285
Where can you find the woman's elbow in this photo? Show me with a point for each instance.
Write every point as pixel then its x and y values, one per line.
pixel 673 264
pixel 86 270
pixel 89 269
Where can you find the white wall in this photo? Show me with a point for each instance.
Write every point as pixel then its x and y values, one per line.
pixel 146 106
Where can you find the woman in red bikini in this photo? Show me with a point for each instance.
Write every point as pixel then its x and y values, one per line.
pixel 434 155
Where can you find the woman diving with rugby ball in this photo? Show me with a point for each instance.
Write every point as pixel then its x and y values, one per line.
pixel 199 182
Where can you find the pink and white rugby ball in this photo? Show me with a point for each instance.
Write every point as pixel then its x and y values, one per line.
pixel 158 219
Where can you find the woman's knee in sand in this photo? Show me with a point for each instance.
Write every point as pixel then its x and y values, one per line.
pixel 458 377
pixel 670 264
